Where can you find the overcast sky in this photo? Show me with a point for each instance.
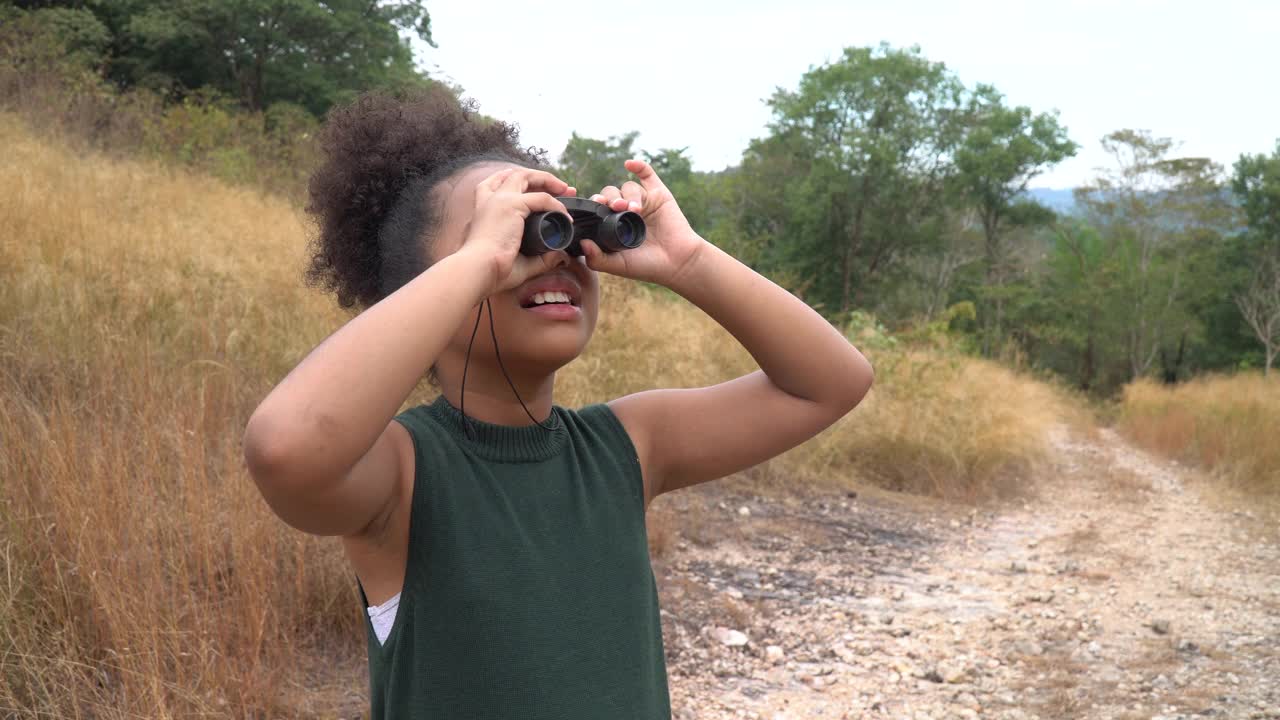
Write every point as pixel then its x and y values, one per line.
pixel 694 74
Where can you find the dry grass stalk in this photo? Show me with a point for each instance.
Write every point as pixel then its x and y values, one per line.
pixel 1226 424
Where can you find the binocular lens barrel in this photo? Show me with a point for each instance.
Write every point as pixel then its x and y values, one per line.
pixel 621 231
pixel 546 232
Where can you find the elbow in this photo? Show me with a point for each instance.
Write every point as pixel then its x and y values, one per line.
pixel 266 454
pixel 273 454
pixel 861 377
pixel 275 459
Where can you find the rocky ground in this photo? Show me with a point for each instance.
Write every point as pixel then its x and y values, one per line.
pixel 1125 588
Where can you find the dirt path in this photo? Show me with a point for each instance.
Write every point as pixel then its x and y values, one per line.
pixel 1123 591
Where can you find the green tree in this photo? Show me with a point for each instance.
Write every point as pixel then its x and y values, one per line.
pixel 590 164
pixel 53 35
pixel 1079 295
pixel 312 53
pixel 1166 216
pixel 1256 185
pixel 856 162
pixel 695 191
pixel 672 165
pixel 1002 149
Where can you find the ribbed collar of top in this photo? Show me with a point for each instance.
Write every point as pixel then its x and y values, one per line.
pixel 503 443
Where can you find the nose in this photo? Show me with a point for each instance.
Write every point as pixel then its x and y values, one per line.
pixel 560 259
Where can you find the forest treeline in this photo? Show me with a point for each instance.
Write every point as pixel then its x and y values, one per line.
pixel 885 191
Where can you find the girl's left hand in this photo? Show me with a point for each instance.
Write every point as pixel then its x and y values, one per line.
pixel 670 245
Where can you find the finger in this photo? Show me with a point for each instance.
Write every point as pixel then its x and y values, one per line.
pixel 612 197
pixel 601 261
pixel 649 179
pixel 543 202
pixel 617 204
pixel 494 181
pixel 571 192
pixel 607 195
pixel 634 195
pixel 526 180
pixel 490 185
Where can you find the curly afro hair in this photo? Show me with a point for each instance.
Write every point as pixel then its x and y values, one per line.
pixel 382 155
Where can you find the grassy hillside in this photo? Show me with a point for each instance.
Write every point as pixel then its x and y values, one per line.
pixel 144 312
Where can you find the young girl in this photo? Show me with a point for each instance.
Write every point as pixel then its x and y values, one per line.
pixel 498 539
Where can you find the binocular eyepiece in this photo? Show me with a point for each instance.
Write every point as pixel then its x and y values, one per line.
pixel 612 231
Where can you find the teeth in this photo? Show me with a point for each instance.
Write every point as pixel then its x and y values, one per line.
pixel 550 297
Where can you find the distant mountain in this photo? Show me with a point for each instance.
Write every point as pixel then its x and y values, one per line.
pixel 1060 201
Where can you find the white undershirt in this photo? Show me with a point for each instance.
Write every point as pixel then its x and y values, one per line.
pixel 383 617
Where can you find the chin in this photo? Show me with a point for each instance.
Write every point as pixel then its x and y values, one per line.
pixel 544 344
pixel 551 354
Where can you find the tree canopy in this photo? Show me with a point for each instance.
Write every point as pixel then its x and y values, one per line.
pixel 311 53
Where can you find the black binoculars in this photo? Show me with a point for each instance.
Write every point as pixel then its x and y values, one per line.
pixel 612 231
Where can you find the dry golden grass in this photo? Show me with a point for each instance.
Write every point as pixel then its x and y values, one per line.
pixel 143 314
pixel 1226 424
pixel 948 426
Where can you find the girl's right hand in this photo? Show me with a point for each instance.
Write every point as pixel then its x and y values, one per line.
pixel 503 201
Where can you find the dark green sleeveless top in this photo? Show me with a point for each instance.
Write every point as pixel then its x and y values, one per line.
pixel 528 591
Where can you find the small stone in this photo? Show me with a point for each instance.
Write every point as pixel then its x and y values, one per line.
pixel 744 511
pixel 1018 567
pixel 1160 627
pixel 843 652
pixel 951 672
pixel 728 636
pixel 1028 647
pixel 774 654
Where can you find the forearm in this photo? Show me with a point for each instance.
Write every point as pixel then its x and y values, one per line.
pixel 800 352
pixel 327 413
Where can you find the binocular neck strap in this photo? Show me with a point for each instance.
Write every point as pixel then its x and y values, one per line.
pixel 466 421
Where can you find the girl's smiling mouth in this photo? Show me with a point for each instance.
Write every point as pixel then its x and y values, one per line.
pixel 555 296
